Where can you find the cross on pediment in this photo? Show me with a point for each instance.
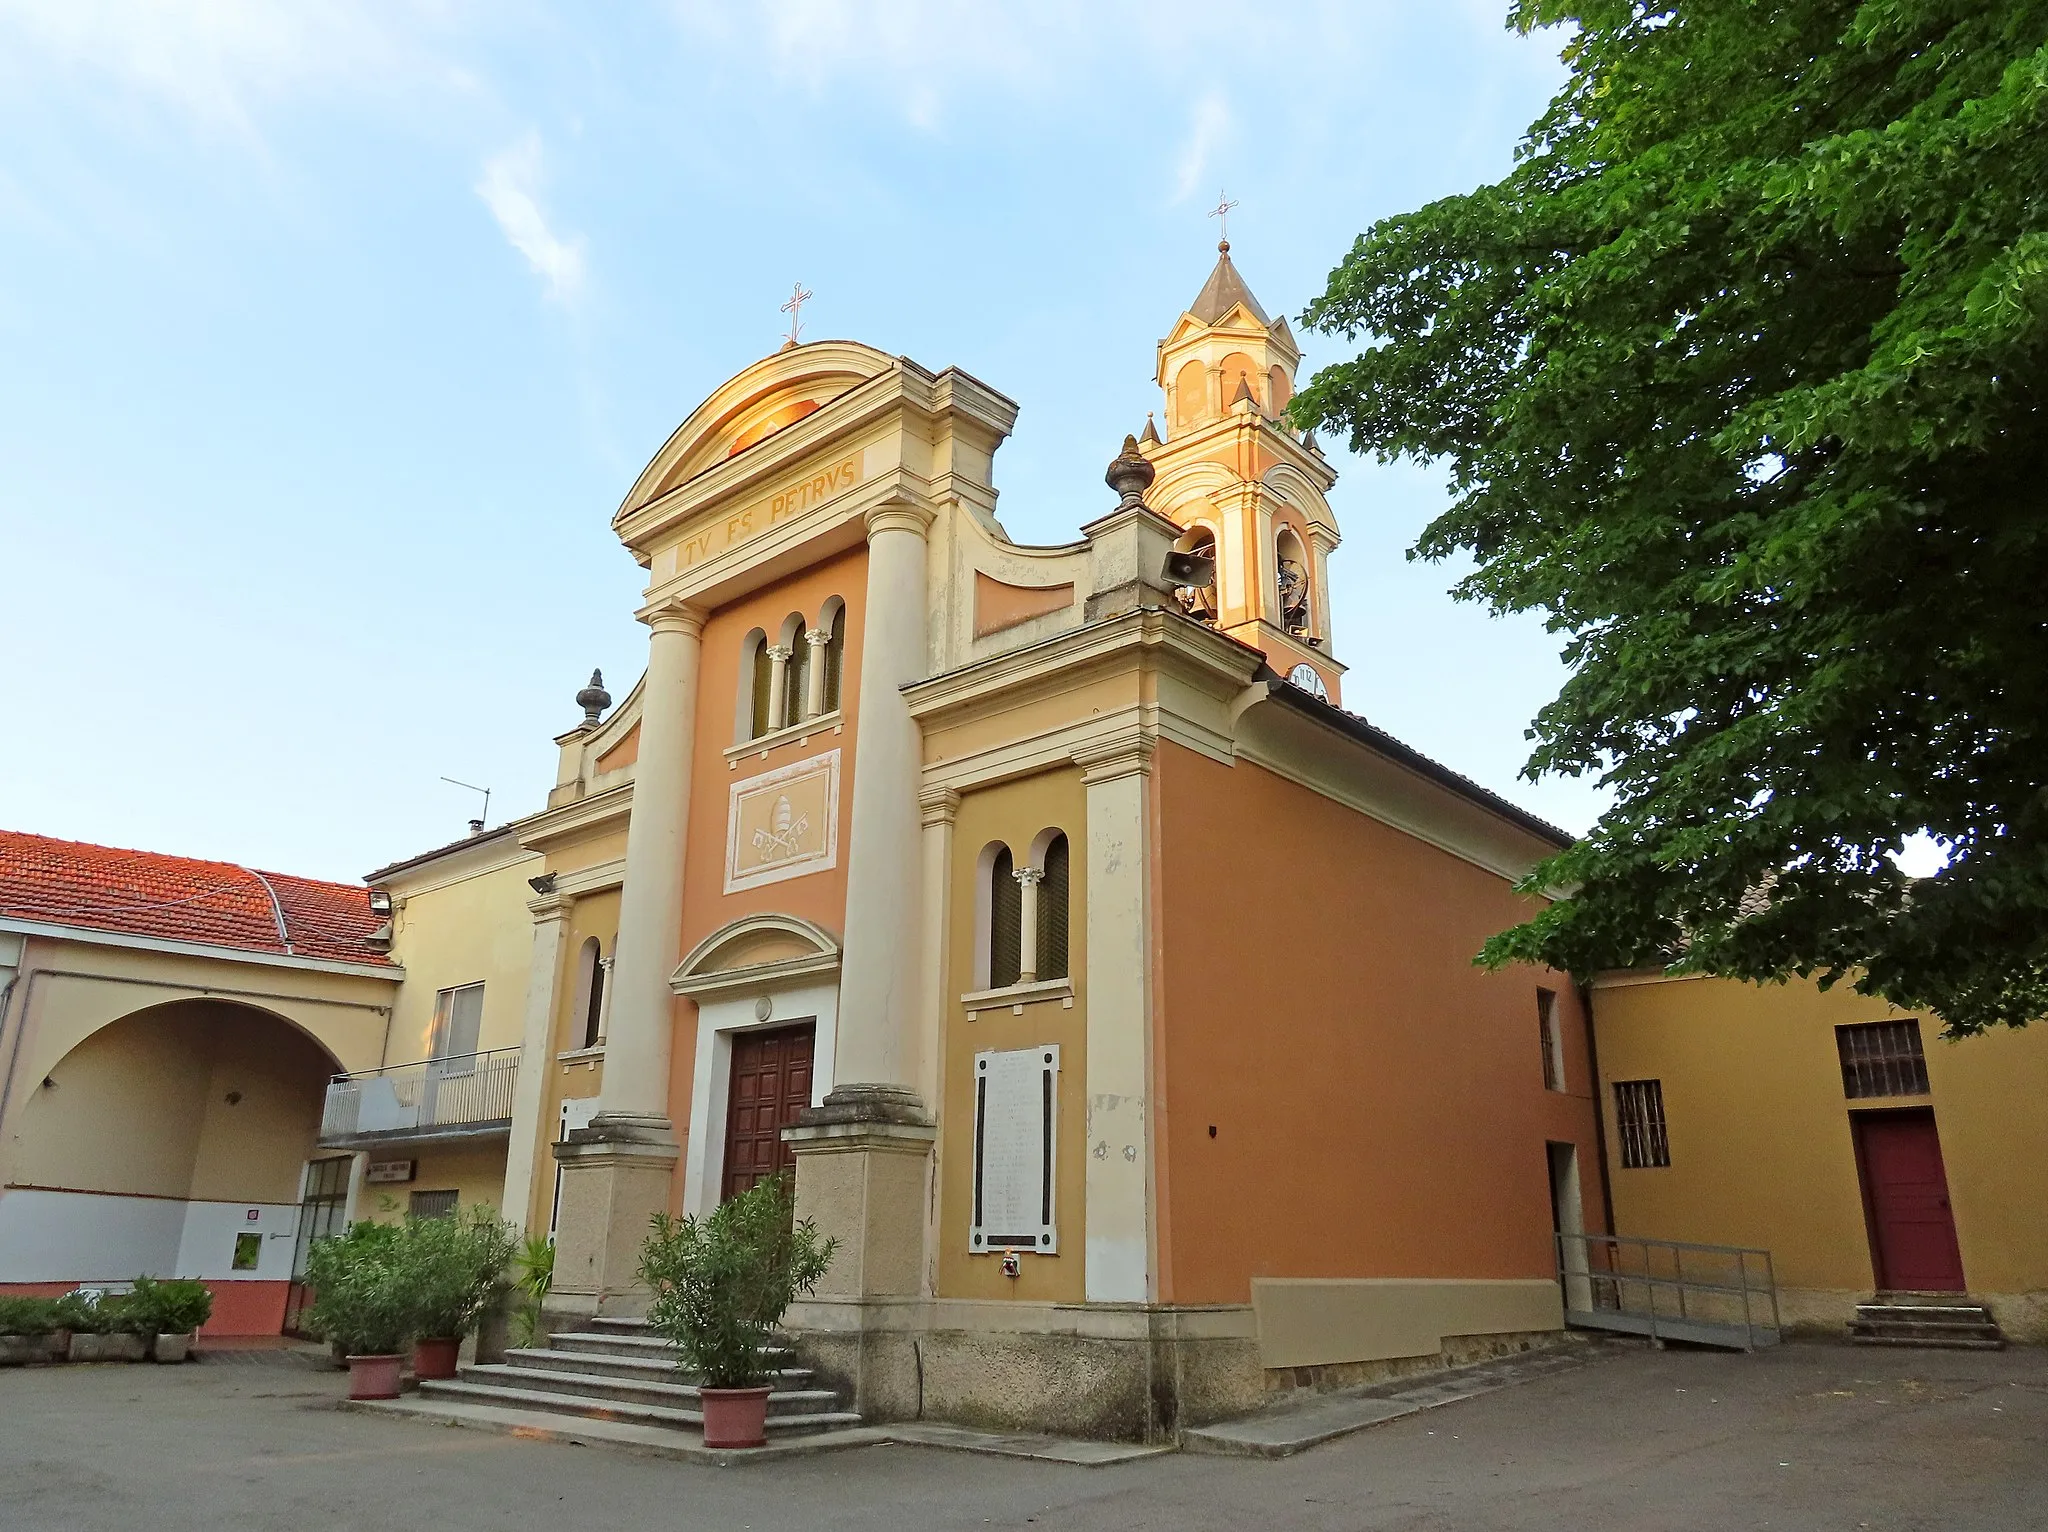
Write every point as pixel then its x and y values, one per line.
pixel 798 296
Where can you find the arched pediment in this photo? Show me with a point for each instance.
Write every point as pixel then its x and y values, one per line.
pixel 756 952
pixel 1298 490
pixel 776 391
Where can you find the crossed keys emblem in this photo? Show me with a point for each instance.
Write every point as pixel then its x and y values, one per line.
pixel 785 833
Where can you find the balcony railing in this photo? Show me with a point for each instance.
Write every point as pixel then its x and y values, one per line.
pixel 470 1095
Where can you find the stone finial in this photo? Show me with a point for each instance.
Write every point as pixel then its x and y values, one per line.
pixel 1130 475
pixel 593 699
pixel 1150 438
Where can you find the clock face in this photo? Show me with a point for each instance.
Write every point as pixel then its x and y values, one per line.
pixel 1305 677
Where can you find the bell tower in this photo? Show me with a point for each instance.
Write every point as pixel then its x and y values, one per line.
pixel 1246 488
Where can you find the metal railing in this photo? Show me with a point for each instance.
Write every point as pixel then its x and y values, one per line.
pixel 472 1092
pixel 1644 1287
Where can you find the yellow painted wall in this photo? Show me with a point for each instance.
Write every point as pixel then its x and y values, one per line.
pixel 464 930
pixel 1761 1145
pixel 476 1170
pixel 141 1106
pixel 1014 813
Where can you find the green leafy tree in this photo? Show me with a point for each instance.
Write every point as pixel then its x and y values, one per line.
pixel 1739 376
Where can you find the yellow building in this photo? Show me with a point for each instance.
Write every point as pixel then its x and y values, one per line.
pixel 1842 1135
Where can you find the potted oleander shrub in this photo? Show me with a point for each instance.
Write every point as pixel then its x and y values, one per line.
pixel 29 1332
pixel 361 1304
pixel 169 1313
pixel 455 1270
pixel 720 1285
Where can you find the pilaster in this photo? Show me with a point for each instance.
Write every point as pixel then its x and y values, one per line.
pixel 1121 1266
pixel 543 993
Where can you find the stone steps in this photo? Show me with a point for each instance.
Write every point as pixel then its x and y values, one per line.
pixel 1936 1322
pixel 598 1407
pixel 630 1369
pixel 668 1394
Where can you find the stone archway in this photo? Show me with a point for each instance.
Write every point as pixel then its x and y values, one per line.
pixel 170 1142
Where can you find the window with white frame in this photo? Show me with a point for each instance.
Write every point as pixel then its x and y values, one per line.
pixel 1551 1037
pixel 458 1023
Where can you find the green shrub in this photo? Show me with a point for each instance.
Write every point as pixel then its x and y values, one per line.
pixel 361 1300
pixel 27 1316
pixel 82 1314
pixel 723 1282
pixel 170 1307
pixel 455 1269
pixel 533 1276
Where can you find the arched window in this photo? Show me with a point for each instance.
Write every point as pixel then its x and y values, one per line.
pixel 1051 957
pixel 1239 370
pixel 586 1018
pixel 1281 393
pixel 755 672
pixel 786 700
pixel 1199 601
pixel 833 622
pixel 1292 571
pixel 1005 944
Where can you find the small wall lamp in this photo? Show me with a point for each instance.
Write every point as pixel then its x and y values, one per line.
pixel 380 901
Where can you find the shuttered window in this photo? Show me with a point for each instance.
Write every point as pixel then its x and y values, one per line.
pixel 835 659
pixel 1052 912
pixel 764 671
pixel 1006 921
pixel 1882 1058
pixel 1639 1119
pixel 1551 1039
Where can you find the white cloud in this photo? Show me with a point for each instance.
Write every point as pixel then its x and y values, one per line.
pixel 1206 133
pixel 510 188
pixel 221 60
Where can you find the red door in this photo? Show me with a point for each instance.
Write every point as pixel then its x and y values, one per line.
pixel 771 1084
pixel 1905 1190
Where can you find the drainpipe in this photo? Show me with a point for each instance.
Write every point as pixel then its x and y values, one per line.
pixel 1599 1101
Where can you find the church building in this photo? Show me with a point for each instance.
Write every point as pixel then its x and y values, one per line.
pixel 1107 985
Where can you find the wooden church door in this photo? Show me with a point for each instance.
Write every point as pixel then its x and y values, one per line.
pixel 771 1084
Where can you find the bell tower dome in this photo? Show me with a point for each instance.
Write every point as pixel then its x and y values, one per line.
pixel 1245 487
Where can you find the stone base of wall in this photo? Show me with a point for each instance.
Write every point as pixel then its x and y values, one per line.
pixel 1131 1373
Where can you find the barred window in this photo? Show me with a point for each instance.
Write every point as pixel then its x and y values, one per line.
pixel 1006 921
pixel 1639 1116
pixel 1882 1058
pixel 433 1204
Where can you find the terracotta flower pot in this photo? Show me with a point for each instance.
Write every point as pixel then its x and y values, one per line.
pixel 374 1377
pixel 435 1358
pixel 735 1417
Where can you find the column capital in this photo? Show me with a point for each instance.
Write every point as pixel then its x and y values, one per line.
pixel 899 515
pixel 551 906
pixel 673 616
pixel 1030 877
pixel 937 805
pixel 1128 753
pixel 782 652
pixel 817 638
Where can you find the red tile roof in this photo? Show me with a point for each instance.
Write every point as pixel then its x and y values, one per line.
pixel 175 898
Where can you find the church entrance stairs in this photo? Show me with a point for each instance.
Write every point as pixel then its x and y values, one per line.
pixel 619 1370
pixel 1942 1321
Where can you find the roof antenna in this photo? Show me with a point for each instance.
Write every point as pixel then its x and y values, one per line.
pixel 476 826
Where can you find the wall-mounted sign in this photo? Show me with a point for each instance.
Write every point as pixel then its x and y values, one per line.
pixel 1015 1124
pixel 389 1172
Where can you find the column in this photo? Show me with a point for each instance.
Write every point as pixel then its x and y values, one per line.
pixel 938 808
pixel 1320 545
pixel 529 1093
pixel 863 1158
pixel 1119 1224
pixel 814 674
pixel 878 982
pixel 616 1172
pixel 1028 879
pixel 778 685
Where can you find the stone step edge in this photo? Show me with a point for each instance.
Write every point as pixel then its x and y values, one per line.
pixel 600 1409
pixel 499 1374
pixel 586 1431
pixel 652 1368
pixel 1930 1342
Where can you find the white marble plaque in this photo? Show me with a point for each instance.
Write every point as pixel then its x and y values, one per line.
pixel 1015 1097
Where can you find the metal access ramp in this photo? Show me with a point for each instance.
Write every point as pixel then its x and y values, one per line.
pixel 1669 1290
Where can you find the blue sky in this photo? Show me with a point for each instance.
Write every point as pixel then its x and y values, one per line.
pixel 331 334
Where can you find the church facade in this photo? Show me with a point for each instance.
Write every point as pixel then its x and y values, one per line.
pixel 1107 986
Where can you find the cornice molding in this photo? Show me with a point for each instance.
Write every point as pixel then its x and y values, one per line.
pixel 547 831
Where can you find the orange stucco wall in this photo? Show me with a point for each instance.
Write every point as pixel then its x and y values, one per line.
pixel 1378 1101
pixel 818 896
